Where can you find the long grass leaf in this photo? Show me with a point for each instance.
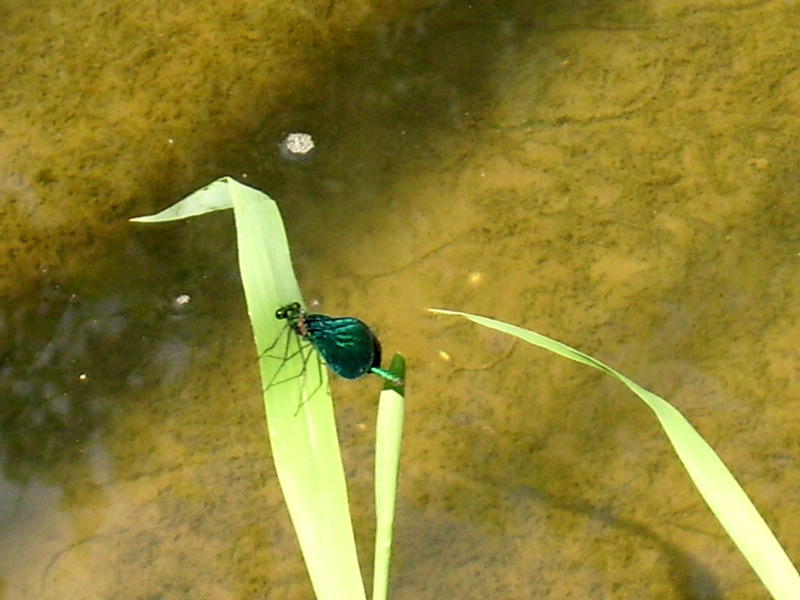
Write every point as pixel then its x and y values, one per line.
pixel 723 494
pixel 299 410
pixel 388 439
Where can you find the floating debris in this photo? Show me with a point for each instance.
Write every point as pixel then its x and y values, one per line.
pixel 297 147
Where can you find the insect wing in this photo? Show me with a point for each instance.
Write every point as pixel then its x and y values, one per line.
pixel 346 344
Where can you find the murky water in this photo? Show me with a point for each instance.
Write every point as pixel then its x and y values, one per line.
pixel 622 176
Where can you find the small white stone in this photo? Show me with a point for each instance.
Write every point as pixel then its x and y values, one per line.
pixel 180 301
pixel 297 147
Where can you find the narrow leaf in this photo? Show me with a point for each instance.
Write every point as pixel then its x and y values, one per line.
pixel 299 409
pixel 723 494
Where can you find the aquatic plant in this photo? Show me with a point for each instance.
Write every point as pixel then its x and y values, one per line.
pixel 718 487
pixel 305 445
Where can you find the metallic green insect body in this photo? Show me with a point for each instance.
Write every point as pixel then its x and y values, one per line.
pixel 347 345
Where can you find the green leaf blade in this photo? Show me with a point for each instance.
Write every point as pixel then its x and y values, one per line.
pixel 716 484
pixel 388 441
pixel 304 442
pixel 215 196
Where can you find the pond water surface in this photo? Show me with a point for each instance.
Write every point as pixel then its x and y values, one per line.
pixel 622 176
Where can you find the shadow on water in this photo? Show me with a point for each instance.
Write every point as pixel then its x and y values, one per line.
pixel 450 545
pixel 63 365
pixel 409 85
pixel 391 98
pixel 84 352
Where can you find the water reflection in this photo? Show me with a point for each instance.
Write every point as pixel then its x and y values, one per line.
pixel 49 375
pixel 66 362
